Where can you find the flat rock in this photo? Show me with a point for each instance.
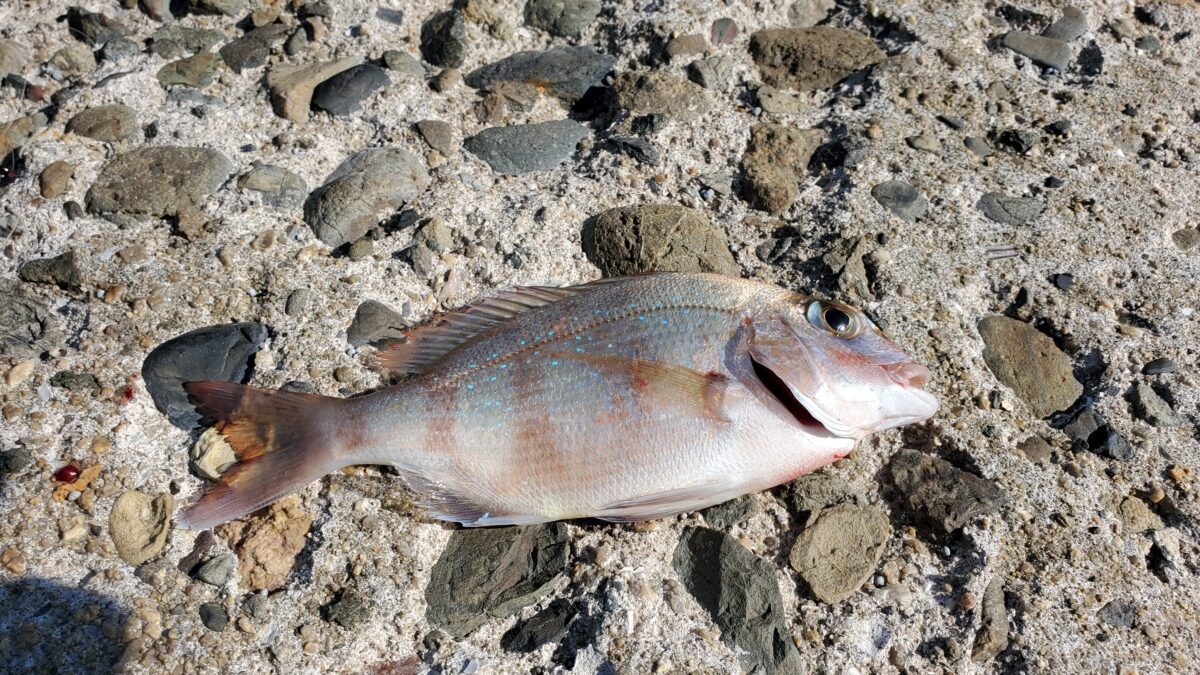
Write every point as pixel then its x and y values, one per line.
pixel 1069 27
pixel 820 490
pixel 375 323
pixel 901 198
pixel 138 524
pixel 93 28
pixel 61 270
pixel 291 87
pixel 158 181
pixel 809 59
pixel 1151 408
pixel 565 72
pixel 267 543
pixel 444 39
pixel 362 191
pixel 522 148
pixel 175 41
pixel 713 72
pixel 1044 51
pixel 839 549
pixel 79 383
pixel 252 49
pixel 780 101
pixel 220 352
pixel 54 179
pixel 656 237
pixel 13 57
pixel 1027 361
pixel 492 573
pixel 109 123
pixel 27 326
pixel 1090 432
pixel 739 591
pixel 342 93
pixel 938 494
pixel 655 92
pixel 561 18
pixel 403 64
pixel 1008 210
pixel 75 60
pixel 216 570
pixel 992 636
pixel 197 71
pixel 775 161
pixel 726 515
pixel 278 186
pixel 549 625
pixel 439 135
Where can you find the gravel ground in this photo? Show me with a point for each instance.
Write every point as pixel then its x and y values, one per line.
pixel 1010 190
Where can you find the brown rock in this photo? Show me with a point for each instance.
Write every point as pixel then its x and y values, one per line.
pixel 54 178
pixel 1027 361
pixel 139 523
pixel 992 637
pixel 839 549
pixel 653 237
pixel 268 542
pixel 809 59
pixel 292 87
pixel 654 92
pixel 775 161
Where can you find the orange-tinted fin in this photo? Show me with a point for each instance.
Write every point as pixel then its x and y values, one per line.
pixel 281 441
pixel 426 345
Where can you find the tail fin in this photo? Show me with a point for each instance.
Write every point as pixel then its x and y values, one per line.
pixel 282 441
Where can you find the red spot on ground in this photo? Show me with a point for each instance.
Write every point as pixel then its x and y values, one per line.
pixel 67 474
pixel 128 394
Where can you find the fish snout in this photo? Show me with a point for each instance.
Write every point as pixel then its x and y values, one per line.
pixel 908 374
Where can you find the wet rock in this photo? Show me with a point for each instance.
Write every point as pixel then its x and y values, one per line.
pixel 15 133
pixel 1149 407
pixel 350 609
pixel 809 59
pixel 775 161
pixel 839 549
pixel 214 617
pixel 1159 366
pixel 109 123
pixel 27 327
pixel 403 64
pixel 139 523
pixel 291 87
pixel 739 591
pixel 252 49
pixel 439 135
pixel 342 93
pixel 655 92
pixel 158 181
pixel 375 323
pixel 174 41
pixel 521 148
pixel 901 198
pixel 79 383
pixel 219 352
pixel 197 71
pixel 1089 431
pixel 13 57
pixel 362 191
pixel 562 18
pixel 656 237
pixel 938 494
pixel 992 636
pixel 1044 51
pixel 547 626
pixel 1069 27
pixel 75 60
pixel 820 490
pixel 278 186
pixel 714 72
pixel 61 270
pixel 1008 210
pixel 807 13
pixel 216 570
pixel 1027 361
pixel 268 542
pixel 92 27
pixel 638 148
pixel 565 72
pixel 491 573
pixel 726 515
pixel 444 39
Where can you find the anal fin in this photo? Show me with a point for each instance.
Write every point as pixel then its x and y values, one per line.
pixel 669 503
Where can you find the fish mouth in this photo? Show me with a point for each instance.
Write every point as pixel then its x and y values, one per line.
pixel 777 388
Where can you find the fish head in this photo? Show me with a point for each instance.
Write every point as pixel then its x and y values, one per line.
pixel 837 367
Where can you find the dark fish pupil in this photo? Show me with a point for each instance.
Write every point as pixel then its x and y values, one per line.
pixel 837 319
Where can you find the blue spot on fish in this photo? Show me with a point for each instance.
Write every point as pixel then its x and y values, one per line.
pixel 470 386
pixel 554 362
pixel 503 366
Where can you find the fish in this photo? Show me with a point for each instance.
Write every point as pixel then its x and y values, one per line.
pixel 624 399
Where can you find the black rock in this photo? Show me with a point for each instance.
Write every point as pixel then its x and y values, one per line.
pixel 549 625
pixel 375 323
pixel 341 94
pixel 640 149
pixel 1019 141
pixel 901 198
pixel 219 352
pixel 1089 431
pixel 1053 182
pixel 214 616
pixel 79 383
pixel 1090 62
pixel 61 271
pixel 92 27
pixel 350 609
pixel 1059 127
pixel 444 39
pixel 1148 43
pixel 739 591
pixel 14 461
pixel 565 72
pixel 938 494
pixel 252 49
pixel 490 573
pixel 1063 281
pixel 1159 366
pixel 1152 17
pixel 648 125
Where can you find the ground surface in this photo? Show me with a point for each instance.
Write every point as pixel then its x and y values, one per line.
pixel 1088 544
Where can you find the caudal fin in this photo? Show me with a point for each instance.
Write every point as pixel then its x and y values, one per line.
pixel 282 441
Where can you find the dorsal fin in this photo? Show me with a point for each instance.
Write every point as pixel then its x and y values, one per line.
pixel 425 345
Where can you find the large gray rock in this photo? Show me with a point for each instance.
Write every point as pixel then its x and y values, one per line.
pixel 901 198
pixel 808 59
pixel 656 237
pixel 252 49
pixel 563 18
pixel 109 123
pixel 158 181
pixel 61 270
pixel 738 589
pixel 1044 51
pixel 521 148
pixel 565 72
pixel 362 191
pixel 938 494
pixel 1027 361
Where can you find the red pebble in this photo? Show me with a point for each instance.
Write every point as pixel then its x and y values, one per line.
pixel 67 474
pixel 128 394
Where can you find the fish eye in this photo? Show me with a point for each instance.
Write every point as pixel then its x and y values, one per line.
pixel 840 320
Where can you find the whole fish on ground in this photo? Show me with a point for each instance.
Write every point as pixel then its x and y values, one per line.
pixel 624 399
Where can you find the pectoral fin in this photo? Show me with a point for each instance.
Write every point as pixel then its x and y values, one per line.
pixel 670 502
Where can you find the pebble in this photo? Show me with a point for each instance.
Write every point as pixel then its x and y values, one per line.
pixel 1148 43
pixel 638 148
pixel 775 162
pixel 79 383
pixel 252 49
pixel 119 50
pixel 1044 51
pixel 13 57
pixel 978 146
pixel 1090 432
pixel 74 61
pixel 220 352
pixel 992 637
pixel 1151 408
pixel 810 59
pixel 1159 366
pixel 1069 27
pixel 197 71
pixel 214 616
pixel 808 13
pixel 444 39
pixel 139 523
pixel 1009 210
pixel 446 80
pixel 925 143
pixel 350 609
pixel 728 514
pixel 108 123
pixel 439 135
pixel 362 191
pixel 1019 141
pixel 656 237
pixel 175 41
pixel 211 455
pixel 1059 128
pixel 158 181
pixel 562 18
pixel 1186 238
pixel 565 72
pixel 27 327
pixel 901 198
pixel 342 94
pixel 277 186
pixel 1027 361
pixel 655 92
pixel 780 101
pixel 550 625
pixel 267 543
pixel 375 324
pixel 93 28
pixel 291 87
pixel 1036 449
pixel 492 573
pixel 403 64
pixel 61 270
pixel 14 461
pixel 739 591
pixel 15 133
pixel 217 570
pixel 713 72
pixel 938 494
pixel 1118 614
pixel 298 302
pixel 839 549
pixel 522 148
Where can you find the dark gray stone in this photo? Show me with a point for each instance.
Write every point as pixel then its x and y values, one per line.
pixel 350 609
pixel 978 146
pixel 109 123
pixel 278 186
pixel 375 323
pixel 563 18
pixel 638 148
pixel 174 41
pixel 819 490
pixel 1008 210
pixel 342 93
pixel 92 27
pixel 216 570
pixel 221 352
pixel 60 270
pixel 810 59
pixel 491 573
pixel 565 72
pixel 444 39
pixel 547 626
pixel 738 589
pixel 1089 431
pixel 1019 141
pixel 252 49
pixel 1152 408
pixel 937 494
pixel 158 181
pixel 27 327
pixel 119 49
pixel 78 383
pixel 1148 43
pixel 1027 361
pixel 521 148
pixel 1159 366
pixel 362 191
pixel 1118 613
pixel 1071 26
pixel 13 462
pixel 725 515
pixel 1044 51
pixel 900 198
pixel 214 616
pixel 656 237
